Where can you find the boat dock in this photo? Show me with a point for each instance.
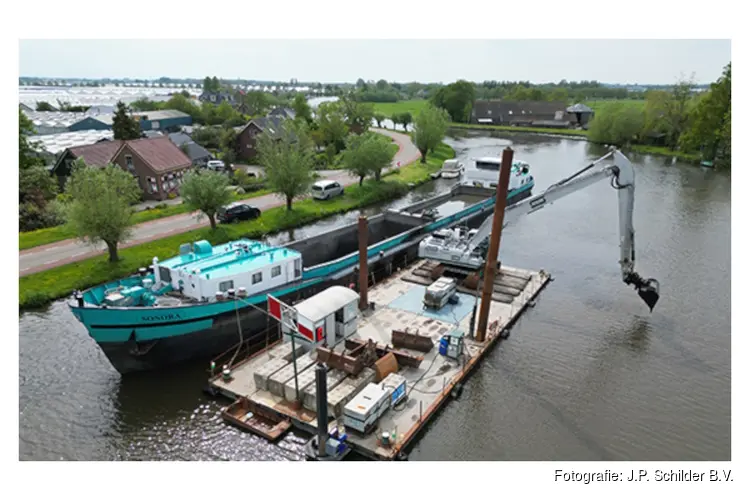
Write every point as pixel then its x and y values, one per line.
pixel 391 336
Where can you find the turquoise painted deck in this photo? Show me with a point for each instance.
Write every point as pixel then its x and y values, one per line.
pixel 230 259
pixel 411 301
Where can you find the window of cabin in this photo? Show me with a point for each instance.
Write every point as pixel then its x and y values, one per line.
pixel 226 285
pixel 129 162
pixel 257 277
pixel 275 271
pixel 297 268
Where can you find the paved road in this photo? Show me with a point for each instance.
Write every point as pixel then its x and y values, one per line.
pixel 49 256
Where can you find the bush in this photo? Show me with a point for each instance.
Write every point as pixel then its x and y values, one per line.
pixel 171 196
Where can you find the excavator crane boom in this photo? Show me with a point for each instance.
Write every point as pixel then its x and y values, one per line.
pixel 458 248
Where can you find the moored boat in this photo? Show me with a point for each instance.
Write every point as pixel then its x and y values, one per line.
pixel 521 181
pixel 204 300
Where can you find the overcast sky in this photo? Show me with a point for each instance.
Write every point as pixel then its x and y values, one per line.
pixel 609 61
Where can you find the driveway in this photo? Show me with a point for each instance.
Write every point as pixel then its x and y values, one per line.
pixel 57 254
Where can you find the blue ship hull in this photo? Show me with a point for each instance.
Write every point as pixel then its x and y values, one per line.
pixel 149 338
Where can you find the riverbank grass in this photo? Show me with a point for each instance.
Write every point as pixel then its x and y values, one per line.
pixel 38 289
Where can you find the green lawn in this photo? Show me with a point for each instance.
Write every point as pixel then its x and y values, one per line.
pixel 40 288
pixel 389 108
pixel 598 104
pixel 31 239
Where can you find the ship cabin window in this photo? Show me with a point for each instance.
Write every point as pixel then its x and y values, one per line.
pixel 257 278
pixel 165 275
pixel 226 285
pixel 297 268
pixel 275 271
pixel 340 315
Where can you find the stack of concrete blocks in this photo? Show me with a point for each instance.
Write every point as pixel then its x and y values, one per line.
pixel 284 351
pixel 309 395
pixel 278 380
pixel 304 380
pixel 263 373
pixel 346 390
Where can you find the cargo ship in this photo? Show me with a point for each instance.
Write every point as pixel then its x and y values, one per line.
pixel 205 299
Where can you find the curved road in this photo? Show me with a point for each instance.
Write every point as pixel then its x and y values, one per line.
pixel 41 258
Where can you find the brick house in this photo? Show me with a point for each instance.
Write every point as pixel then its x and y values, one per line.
pixel 247 136
pixel 157 163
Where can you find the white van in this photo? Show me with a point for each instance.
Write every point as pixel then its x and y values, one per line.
pixel 216 165
pixel 324 190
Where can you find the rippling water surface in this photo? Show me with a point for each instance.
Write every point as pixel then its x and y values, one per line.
pixel 588 374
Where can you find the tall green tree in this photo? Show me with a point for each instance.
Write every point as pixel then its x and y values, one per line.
pixel 367 154
pixel 379 119
pixel 332 125
pixel 288 160
pixel 228 145
pixel 457 99
pixel 206 191
pixel 256 102
pixel 430 128
pixel 124 127
pixel 358 115
pixel 710 129
pixel 99 207
pixel 302 110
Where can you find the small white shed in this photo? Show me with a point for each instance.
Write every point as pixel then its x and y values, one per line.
pixel 329 315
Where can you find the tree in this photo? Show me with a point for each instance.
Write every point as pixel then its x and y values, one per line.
pixel 206 191
pixel 379 119
pixel 301 109
pixel 367 154
pixel 710 129
pixel 381 85
pixel 358 115
pixel 430 128
pixel 616 123
pixel 404 119
pixel 288 160
pixel 44 106
pixel 332 125
pixel 457 99
pixel 124 127
pixel 256 102
pixel 228 145
pixel 207 86
pixel 100 204
pixel 26 156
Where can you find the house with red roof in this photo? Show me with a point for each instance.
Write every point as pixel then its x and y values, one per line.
pixel 157 163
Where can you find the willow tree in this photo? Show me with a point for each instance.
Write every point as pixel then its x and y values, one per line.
pixel 100 204
pixel 367 154
pixel 430 128
pixel 288 159
pixel 207 192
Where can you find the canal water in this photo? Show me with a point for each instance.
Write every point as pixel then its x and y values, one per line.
pixel 588 374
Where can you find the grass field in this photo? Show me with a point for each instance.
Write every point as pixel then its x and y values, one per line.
pixel 598 104
pixel 526 130
pixel 389 108
pixel 38 289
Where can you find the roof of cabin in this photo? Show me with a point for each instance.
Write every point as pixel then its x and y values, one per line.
pixel 230 259
pixel 326 302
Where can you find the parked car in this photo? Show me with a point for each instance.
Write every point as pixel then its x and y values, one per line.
pixel 238 212
pixel 324 190
pixel 217 166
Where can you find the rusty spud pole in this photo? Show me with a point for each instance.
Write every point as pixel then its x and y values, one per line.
pixel 501 200
pixel 362 233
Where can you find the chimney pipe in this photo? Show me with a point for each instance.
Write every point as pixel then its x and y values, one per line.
pixel 362 232
pixel 501 201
